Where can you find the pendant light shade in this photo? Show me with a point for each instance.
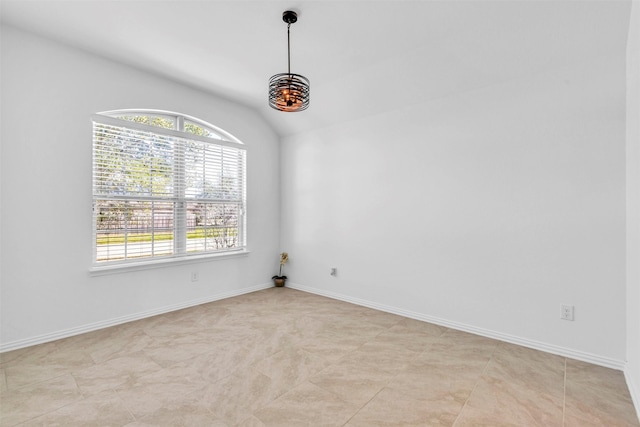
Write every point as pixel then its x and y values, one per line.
pixel 287 91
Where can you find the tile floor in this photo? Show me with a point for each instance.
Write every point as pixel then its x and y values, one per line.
pixel 287 358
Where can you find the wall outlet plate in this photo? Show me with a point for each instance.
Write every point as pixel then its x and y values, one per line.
pixel 566 312
pixel 195 276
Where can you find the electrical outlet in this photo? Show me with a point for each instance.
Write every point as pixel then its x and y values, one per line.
pixel 566 312
pixel 195 276
pixel 334 271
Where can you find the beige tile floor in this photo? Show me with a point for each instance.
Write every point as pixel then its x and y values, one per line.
pixel 287 358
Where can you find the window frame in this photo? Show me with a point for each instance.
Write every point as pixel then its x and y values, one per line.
pixel 220 139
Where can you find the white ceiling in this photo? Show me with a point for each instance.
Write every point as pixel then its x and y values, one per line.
pixel 362 57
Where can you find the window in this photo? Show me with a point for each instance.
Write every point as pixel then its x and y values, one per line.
pixel 165 186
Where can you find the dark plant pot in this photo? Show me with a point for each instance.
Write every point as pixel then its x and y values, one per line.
pixel 279 281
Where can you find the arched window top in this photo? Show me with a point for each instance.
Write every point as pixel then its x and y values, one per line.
pixel 172 121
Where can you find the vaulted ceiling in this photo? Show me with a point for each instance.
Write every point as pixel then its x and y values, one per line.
pixel 362 57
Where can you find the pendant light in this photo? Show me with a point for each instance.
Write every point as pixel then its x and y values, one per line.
pixel 287 91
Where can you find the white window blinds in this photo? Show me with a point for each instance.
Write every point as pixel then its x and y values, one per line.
pixel 161 192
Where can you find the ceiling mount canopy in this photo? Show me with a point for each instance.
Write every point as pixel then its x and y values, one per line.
pixel 287 91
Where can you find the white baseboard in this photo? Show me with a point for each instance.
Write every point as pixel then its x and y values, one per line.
pixel 633 391
pixel 40 339
pixel 536 345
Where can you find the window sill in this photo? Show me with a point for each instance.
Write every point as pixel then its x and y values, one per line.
pixel 100 270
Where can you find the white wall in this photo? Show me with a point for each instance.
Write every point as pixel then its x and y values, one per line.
pixel 486 210
pixel 633 205
pixel 49 93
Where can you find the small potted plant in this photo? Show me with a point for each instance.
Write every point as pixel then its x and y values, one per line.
pixel 280 279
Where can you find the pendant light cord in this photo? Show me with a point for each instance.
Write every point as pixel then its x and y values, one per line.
pixel 288 49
